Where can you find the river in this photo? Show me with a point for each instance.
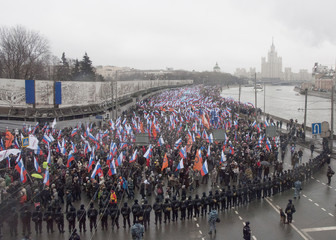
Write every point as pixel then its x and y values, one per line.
pixel 284 102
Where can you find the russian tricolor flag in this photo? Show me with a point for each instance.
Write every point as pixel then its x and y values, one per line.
pixel 180 165
pixel 74 132
pixel 134 156
pixel 38 151
pixel 223 159
pixel 112 170
pixel 120 159
pixel 21 169
pixel 178 143
pixel 49 157
pixel 97 170
pixel 46 177
pixel 59 134
pixel 46 139
pixel 91 161
pixel 36 165
pixel 183 153
pixel 204 170
pixel 70 159
pixel 208 152
pixel 268 145
pixel 161 142
pixel 92 138
pixel 148 153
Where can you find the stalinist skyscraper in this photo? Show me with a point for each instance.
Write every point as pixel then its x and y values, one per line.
pixel 271 69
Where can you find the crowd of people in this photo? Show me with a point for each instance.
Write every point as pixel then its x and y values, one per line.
pixel 194 136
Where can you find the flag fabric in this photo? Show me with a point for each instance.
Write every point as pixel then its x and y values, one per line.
pixel 16 144
pixel 9 139
pixel 53 123
pixel 165 162
pixel 46 139
pixel 180 165
pixel 36 165
pixel 223 159
pixel 134 156
pixel 183 153
pixel 208 152
pixel 268 145
pixel 204 170
pixel 46 177
pixel 91 160
pixel 120 159
pixel 38 151
pixel 178 143
pixel 112 170
pixel 74 132
pixel 70 159
pixel 198 161
pixel 49 157
pixel 160 142
pixel 22 171
pixel 148 153
pixel 97 170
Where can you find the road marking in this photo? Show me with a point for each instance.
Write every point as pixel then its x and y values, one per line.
pixel 236 212
pixel 323 183
pixel 203 238
pixel 292 225
pixel 319 229
pixel 240 218
pixel 312 178
pixel 331 214
pixel 304 195
pixel 310 200
pixel 200 232
pixel 323 209
pixel 316 204
pixel 277 206
pixel 197 224
pixel 254 238
pixel 318 180
pixel 195 219
pixel 331 187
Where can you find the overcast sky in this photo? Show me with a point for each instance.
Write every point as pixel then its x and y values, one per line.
pixel 191 35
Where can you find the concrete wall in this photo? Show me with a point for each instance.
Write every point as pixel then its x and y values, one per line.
pixel 12 91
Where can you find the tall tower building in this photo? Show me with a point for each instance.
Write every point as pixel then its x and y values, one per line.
pixel 271 69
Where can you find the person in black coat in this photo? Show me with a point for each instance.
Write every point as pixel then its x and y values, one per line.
pixel 49 218
pixel 167 208
pixel 92 215
pixel 81 217
pixel 197 205
pixel 157 210
pixel 175 207
pixel 190 205
pixel 37 219
pixel 71 217
pixel 13 222
pixel 125 212
pixel 59 219
pixel 247 231
pixel 25 219
pixel 103 213
pixel 114 213
pixel 147 208
pixel 136 210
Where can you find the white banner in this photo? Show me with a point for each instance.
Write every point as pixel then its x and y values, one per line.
pixel 33 142
pixel 6 153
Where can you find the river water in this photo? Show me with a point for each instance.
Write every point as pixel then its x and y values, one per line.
pixel 284 102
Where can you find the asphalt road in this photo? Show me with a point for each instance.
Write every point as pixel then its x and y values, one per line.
pixel 314 217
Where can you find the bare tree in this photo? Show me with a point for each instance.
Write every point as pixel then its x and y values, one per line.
pixel 23 53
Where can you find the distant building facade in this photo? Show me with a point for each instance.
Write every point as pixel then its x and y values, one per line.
pixel 216 68
pixel 271 68
pixel 324 77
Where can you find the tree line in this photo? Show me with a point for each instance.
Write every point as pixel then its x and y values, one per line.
pixel 25 54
